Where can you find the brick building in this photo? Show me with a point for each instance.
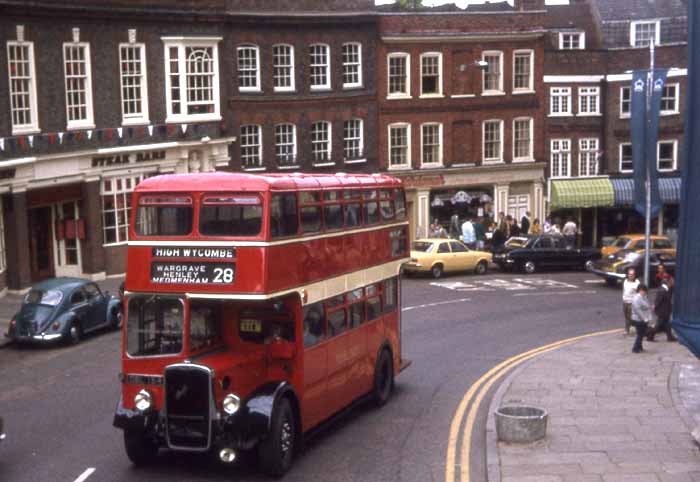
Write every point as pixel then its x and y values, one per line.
pixel 94 97
pixel 461 110
pixel 591 47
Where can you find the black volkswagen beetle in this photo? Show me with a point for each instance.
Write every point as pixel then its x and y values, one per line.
pixel 64 309
pixel 542 252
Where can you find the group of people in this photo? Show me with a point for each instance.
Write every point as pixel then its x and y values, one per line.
pixel 638 310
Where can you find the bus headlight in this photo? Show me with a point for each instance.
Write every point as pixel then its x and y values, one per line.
pixel 231 404
pixel 143 400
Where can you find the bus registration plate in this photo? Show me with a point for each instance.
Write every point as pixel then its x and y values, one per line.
pixel 251 326
pixel 181 272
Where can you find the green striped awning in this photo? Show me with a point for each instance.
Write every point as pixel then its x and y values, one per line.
pixel 582 193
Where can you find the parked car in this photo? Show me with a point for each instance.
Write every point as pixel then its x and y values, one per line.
pixel 542 252
pixel 613 268
pixel 64 309
pixel 635 242
pixel 437 256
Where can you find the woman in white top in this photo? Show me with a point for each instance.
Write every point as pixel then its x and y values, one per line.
pixel 629 290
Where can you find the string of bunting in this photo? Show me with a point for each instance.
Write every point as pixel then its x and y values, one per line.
pixel 28 142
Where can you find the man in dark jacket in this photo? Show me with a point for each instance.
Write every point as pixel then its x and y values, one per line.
pixel 662 309
pixel 525 224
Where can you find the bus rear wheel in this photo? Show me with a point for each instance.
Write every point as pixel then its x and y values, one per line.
pixel 383 378
pixel 140 448
pixel 276 452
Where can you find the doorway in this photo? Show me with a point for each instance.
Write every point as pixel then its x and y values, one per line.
pixel 40 243
pixel 66 244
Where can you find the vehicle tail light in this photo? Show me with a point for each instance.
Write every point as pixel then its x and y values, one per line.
pixel 56 325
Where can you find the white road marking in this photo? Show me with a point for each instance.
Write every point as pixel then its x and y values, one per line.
pixel 429 305
pixel 83 477
pixel 547 293
pixel 514 284
pixel 595 281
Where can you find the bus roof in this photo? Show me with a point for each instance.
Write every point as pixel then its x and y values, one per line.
pixel 229 181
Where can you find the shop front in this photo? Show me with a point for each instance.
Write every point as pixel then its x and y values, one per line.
pixel 474 192
pixel 67 215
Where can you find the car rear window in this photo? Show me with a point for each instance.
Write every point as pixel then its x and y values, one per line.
pixel 48 298
pixel 423 246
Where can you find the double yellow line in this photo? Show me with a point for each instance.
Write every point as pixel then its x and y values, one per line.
pixel 473 398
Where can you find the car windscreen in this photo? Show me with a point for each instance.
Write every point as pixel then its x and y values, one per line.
pixel 235 215
pixel 620 242
pixel 48 298
pixel 164 216
pixel 154 326
pixel 423 246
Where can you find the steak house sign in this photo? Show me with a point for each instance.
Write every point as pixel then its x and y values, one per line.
pixel 127 158
pixel 193 272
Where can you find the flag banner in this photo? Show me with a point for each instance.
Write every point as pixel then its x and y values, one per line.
pixel 60 137
pixel 120 131
pixel 686 309
pixel 645 134
pixel 184 128
pixel 31 141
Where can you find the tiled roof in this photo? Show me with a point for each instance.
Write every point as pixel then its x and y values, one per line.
pixel 639 9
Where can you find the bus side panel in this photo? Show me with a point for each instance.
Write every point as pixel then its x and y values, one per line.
pixel 391 331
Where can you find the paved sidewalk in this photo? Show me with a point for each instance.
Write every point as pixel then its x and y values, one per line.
pixel 614 416
pixel 9 304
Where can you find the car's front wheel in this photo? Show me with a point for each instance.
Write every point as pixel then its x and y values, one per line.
pixel 140 448
pixel 117 317
pixel 529 267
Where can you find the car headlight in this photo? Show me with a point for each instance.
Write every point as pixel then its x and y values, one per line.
pixel 143 400
pixel 231 404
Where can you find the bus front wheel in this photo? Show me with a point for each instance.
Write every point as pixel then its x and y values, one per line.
pixel 140 448
pixel 383 378
pixel 276 452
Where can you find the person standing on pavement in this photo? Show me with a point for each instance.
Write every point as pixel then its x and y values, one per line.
pixel 662 310
pixel 641 316
pixel 569 231
pixel 479 234
pixel 547 227
pixel 661 273
pixel 629 290
pixel 468 234
pixel 535 229
pixel 525 224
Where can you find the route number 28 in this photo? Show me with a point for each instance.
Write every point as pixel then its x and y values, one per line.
pixel 223 275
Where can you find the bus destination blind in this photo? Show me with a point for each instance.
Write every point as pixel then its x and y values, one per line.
pixel 187 272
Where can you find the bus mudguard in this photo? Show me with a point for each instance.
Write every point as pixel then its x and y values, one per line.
pixel 261 404
pixel 134 420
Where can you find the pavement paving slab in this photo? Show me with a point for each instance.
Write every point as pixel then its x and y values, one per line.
pixel 614 416
pixel 9 304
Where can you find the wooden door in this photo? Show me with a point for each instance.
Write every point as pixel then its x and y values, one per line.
pixel 40 244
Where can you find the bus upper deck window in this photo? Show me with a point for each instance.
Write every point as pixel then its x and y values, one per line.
pixel 164 215
pixel 230 215
pixel 284 220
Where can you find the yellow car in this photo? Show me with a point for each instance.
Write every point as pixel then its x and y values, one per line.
pixel 635 242
pixel 437 256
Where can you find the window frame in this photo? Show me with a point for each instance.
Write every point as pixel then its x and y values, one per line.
pixel 182 43
pixel 408 163
pixel 258 147
pixel 407 77
pixel 361 140
pixel 143 118
pixel 493 160
pixel 581 40
pixel 531 74
pixel 286 164
pixel 568 96
pixel 585 152
pixel 530 157
pixel 623 114
pixel 440 145
pixel 329 144
pixel 89 121
pixel 292 69
pixel 584 100
pixel 621 147
pixel 568 160
pixel 360 82
pixel 673 142
pixel 427 55
pixel 484 90
pixel 676 99
pixel 248 46
pixel 633 32
pixel 114 193
pixel 325 66
pixel 33 126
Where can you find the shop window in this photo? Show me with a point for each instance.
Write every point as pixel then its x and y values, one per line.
pixel 116 207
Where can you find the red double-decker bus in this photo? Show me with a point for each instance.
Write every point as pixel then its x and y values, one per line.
pixel 256 308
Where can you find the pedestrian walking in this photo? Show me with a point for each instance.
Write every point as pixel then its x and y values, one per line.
pixel 569 231
pixel 629 290
pixel 661 274
pixel 525 224
pixel 641 316
pixel 663 307
pixel 547 227
pixel 468 234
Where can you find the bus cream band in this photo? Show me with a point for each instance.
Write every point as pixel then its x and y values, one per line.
pixel 262 244
pixel 319 290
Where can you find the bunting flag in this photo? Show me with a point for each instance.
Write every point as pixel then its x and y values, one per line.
pixel 12 144
pixel 89 134
pixel 78 136
pixel 108 133
pixel 120 131
pixel 52 139
pixel 170 130
pixel 60 137
pixel 184 128
pixel 22 142
pixel 130 132
pixel 150 130
pixel 31 141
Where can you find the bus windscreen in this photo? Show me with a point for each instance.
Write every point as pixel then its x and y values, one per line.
pixel 230 216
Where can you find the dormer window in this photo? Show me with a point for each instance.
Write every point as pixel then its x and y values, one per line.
pixel 643 32
pixel 572 40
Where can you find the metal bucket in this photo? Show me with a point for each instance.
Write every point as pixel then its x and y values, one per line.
pixel 520 424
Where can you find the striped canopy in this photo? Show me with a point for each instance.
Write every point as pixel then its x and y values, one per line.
pixel 669 190
pixel 582 193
